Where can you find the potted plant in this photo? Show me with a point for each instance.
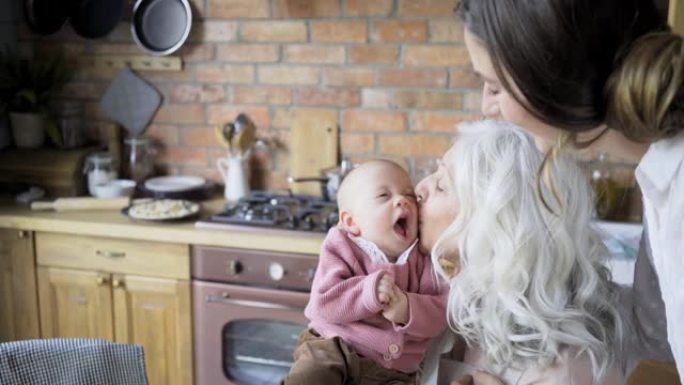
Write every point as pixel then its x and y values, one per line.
pixel 27 87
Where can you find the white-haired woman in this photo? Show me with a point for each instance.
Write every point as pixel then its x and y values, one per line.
pixel 530 294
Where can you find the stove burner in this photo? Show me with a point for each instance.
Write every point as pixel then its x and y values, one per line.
pixel 280 210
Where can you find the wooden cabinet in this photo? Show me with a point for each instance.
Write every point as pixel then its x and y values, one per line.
pixel 18 296
pixel 94 287
pixel 675 16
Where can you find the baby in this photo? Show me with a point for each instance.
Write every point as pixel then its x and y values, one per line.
pixel 375 300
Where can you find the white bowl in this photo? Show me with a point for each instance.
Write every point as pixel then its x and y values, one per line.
pixel 115 188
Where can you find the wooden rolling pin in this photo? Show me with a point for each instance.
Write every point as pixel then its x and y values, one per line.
pixel 85 203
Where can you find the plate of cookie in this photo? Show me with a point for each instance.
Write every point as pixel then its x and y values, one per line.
pixel 162 210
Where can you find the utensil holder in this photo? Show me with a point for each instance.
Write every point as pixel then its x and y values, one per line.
pixel 234 170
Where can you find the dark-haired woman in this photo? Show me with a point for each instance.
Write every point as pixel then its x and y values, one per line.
pixel 607 74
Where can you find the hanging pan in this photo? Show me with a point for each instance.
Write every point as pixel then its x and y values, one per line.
pixel 94 19
pixel 161 27
pixel 45 16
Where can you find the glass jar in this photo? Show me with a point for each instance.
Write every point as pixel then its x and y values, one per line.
pixel 138 159
pixel 100 169
pixel 71 125
pixel 604 186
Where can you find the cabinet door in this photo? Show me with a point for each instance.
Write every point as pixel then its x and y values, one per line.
pixel 75 303
pixel 18 293
pixel 156 313
pixel 676 16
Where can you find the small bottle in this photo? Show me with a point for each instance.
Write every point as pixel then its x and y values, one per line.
pixel 138 159
pixel 604 187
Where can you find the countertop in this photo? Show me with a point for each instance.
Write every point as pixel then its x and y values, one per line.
pixel 116 225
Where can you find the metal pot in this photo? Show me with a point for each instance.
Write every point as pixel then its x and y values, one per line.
pixel 160 27
pixel 330 179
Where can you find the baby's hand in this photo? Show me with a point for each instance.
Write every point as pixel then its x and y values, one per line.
pixel 394 300
pixel 385 289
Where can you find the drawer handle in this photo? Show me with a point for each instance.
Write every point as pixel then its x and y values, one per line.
pixel 102 280
pixel 110 254
pixel 117 282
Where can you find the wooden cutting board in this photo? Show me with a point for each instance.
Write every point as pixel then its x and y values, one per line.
pixel 314 146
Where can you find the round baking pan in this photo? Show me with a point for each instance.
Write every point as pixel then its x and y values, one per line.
pixel 46 16
pixel 160 27
pixel 94 19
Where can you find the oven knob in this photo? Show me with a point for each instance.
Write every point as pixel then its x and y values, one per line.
pixel 276 271
pixel 235 268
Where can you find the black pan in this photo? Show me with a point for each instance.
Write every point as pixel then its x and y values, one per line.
pixel 161 26
pixel 46 16
pixel 94 19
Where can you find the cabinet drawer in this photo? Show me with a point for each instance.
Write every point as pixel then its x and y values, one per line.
pixel 155 259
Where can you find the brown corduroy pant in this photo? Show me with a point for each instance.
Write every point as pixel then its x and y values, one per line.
pixel 321 361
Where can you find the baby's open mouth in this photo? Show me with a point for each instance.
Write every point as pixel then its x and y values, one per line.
pixel 401 225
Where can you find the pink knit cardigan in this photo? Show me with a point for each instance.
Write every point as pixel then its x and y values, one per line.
pixel 344 303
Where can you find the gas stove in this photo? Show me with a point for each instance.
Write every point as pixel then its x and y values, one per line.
pixel 280 211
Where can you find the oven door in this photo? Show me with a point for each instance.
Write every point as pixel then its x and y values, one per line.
pixel 245 335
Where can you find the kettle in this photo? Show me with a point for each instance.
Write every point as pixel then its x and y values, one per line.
pixel 234 171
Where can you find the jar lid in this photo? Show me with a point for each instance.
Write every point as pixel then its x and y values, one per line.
pixel 99 158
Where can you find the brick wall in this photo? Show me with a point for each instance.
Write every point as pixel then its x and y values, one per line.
pixel 395 74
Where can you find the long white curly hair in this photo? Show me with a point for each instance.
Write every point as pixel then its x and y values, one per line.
pixel 532 281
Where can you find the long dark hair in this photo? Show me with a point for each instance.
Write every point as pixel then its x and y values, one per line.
pixel 561 54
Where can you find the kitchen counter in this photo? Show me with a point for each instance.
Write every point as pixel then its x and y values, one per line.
pixel 115 225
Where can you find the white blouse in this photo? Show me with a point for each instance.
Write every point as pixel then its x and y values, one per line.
pixel 660 175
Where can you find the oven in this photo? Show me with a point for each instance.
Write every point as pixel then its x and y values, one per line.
pixel 248 312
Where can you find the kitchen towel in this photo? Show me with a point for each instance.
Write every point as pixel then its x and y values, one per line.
pixel 71 361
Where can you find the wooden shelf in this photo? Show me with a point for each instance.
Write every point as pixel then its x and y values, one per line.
pixel 135 62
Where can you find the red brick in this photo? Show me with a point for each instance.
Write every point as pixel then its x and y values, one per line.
pixel 374 121
pixel 368 7
pixel 262 95
pixel 314 54
pixel 208 93
pixel 365 54
pixel 357 143
pixel 440 121
pixel 279 74
pixel 339 31
pixel 167 134
pixel 305 9
pixel 373 98
pixel 414 145
pixel 184 155
pixel 198 136
pixel 446 31
pixel 233 9
pixel 412 78
pixel 198 9
pixel 290 117
pixel 274 31
pixel 214 31
pixel 216 73
pixel 219 114
pixel 464 78
pixel 197 52
pixel 251 53
pixel 180 114
pixel 431 55
pixel 349 77
pixel 209 173
pixel 328 98
pixel 413 31
pixel 168 76
pixel 423 8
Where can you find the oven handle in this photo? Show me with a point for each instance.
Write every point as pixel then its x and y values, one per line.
pixel 225 299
